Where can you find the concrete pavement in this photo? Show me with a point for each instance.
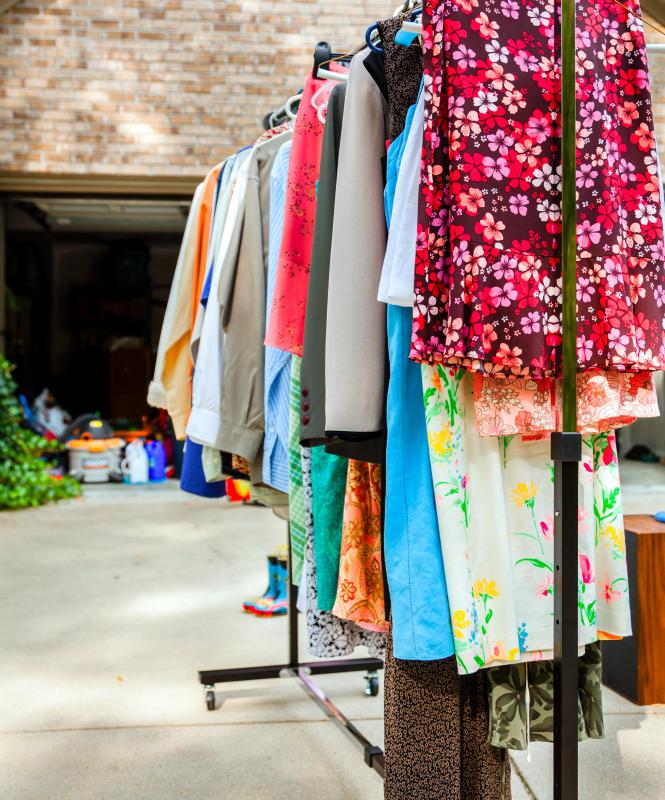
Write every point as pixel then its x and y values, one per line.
pixel 108 607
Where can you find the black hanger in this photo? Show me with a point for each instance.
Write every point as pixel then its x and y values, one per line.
pixel 323 55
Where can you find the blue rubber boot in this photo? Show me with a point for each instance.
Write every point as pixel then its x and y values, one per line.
pixel 271 592
pixel 277 606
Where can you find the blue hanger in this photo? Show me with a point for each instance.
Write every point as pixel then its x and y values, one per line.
pixel 368 38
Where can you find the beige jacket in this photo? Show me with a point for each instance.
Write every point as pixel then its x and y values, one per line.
pixel 170 388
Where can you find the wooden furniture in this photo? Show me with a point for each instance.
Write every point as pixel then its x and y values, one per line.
pixel 635 667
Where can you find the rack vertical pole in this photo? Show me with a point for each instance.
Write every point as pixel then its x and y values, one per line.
pixel 567 446
pixel 294 658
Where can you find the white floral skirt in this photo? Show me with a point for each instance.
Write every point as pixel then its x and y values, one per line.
pixel 494 500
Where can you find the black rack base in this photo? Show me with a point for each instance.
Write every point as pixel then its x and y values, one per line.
pixel 213 676
pixel 373 755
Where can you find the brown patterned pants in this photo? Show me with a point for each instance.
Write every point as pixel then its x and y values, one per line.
pixel 436 728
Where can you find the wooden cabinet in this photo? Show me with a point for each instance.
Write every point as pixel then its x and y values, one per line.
pixel 635 667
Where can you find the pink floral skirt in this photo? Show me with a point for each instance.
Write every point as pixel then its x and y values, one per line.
pixel 488 269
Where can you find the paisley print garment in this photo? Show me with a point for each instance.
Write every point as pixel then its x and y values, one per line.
pixel 360 595
pixel 488 272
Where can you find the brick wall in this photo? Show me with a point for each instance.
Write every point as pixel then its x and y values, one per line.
pixel 657 73
pixel 165 87
pixel 154 87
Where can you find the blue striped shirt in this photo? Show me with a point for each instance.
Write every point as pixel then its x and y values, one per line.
pixel 277 362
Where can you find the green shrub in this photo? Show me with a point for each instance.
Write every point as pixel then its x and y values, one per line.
pixel 25 478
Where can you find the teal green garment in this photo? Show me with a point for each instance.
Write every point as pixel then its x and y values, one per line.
pixel 328 490
pixel 296 490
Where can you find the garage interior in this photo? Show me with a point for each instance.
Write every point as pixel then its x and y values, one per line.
pixel 86 284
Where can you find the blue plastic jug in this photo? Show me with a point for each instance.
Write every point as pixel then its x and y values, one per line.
pixel 156 461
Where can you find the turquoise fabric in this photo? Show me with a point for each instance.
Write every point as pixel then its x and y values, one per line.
pixel 328 490
pixel 421 625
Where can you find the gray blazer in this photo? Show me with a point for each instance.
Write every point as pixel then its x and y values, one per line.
pixel 355 351
pixel 243 298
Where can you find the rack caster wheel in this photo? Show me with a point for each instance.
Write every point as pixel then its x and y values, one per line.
pixel 211 700
pixel 371 684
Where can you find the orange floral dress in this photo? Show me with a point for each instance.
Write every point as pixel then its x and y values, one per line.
pixel 360 595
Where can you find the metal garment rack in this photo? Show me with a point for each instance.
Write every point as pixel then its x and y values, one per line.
pixel 302 671
pixel 566 455
pixel 567 446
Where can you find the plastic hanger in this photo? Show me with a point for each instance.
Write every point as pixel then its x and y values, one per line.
pixel 288 106
pixel 328 74
pixel 322 56
pixel 410 29
pixel 368 38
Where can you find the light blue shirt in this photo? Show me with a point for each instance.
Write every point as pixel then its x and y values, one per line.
pixel 277 362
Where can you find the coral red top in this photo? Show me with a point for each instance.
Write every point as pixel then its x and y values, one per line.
pixel 286 324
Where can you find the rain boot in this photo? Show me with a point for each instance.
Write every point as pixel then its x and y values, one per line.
pixel 279 605
pixel 249 606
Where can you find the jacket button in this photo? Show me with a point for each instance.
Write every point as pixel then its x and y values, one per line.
pixel 305 392
pixel 306 420
pixel 305 406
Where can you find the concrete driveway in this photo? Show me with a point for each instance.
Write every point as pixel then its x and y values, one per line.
pixel 108 607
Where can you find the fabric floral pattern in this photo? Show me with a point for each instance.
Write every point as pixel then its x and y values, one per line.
pixel 605 400
pixel 494 499
pixel 360 595
pixel 488 271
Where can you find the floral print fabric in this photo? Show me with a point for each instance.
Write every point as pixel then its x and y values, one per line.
pixel 488 272
pixel 494 499
pixel 605 400
pixel 360 594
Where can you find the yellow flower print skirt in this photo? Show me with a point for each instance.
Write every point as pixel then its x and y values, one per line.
pixel 494 501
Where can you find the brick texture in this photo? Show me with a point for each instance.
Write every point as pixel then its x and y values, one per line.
pixel 657 74
pixel 141 87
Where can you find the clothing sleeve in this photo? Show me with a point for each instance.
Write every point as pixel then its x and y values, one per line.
pixel 242 402
pixel 204 425
pixel 170 388
pixel 356 321
pixel 397 276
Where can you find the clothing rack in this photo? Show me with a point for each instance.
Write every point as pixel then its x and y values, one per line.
pixel 567 446
pixel 566 452
pixel 302 671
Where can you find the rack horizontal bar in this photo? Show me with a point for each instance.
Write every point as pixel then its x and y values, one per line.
pixel 374 756
pixel 213 676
